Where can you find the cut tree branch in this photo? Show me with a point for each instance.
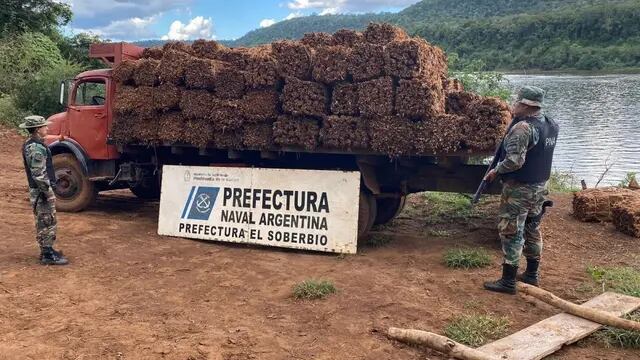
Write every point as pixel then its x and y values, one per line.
pixel 438 342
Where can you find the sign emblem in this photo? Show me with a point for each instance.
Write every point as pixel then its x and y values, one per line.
pixel 203 203
pixel 200 203
pixel 187 176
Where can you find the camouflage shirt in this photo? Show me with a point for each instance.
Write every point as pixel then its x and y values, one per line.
pixel 36 160
pixel 521 138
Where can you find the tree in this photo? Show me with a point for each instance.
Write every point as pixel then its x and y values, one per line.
pixel 76 48
pixel 18 16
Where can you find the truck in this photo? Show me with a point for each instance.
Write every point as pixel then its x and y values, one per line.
pixel 87 161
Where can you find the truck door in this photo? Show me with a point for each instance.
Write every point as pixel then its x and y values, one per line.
pixel 88 117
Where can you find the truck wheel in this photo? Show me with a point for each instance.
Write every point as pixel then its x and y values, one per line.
pixel 389 208
pixel 74 191
pixel 147 189
pixel 366 215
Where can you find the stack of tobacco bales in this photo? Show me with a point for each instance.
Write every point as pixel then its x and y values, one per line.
pixel 379 91
pixel 596 205
pixel 626 216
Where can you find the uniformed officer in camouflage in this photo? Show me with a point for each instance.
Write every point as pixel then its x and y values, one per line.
pixel 38 165
pixel 525 168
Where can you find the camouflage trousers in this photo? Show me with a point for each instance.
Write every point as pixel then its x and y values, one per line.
pixel 518 227
pixel 44 211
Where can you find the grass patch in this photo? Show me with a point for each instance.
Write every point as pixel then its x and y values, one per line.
pixel 440 233
pixel 443 207
pixel 624 280
pixel 313 289
pixel 476 330
pixel 466 258
pixel 626 339
pixel 560 182
pixel 379 240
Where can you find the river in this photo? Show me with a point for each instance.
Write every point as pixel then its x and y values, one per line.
pixel 599 119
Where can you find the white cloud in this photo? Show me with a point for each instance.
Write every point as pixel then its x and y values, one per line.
pixel 329 11
pixel 97 14
pixel 198 27
pixel 293 15
pixel 130 29
pixel 267 22
pixel 344 6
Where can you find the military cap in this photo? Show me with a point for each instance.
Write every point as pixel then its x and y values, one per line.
pixel 531 95
pixel 34 121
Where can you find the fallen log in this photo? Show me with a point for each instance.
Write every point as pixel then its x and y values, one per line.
pixel 438 342
pixel 597 316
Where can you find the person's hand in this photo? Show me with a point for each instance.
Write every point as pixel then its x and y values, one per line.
pixel 491 175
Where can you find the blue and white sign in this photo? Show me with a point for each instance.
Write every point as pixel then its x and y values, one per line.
pixel 304 209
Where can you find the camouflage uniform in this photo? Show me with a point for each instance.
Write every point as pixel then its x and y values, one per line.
pixel 42 198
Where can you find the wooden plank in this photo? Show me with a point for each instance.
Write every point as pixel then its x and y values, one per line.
pixel 549 335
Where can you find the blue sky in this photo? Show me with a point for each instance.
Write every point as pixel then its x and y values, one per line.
pixel 191 19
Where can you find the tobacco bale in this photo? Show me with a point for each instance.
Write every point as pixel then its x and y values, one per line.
pixel 177 46
pixel 417 98
pixel 345 99
pixel 293 58
pixel 304 97
pixel 234 56
pixel 461 102
pixel 172 67
pixel 489 119
pixel 172 127
pixel 227 139
pixel 367 61
pixel 415 58
pixel 391 135
pixel 206 48
pixel 595 205
pixel 452 85
pixel 258 136
pixel 197 132
pixel 438 134
pixel 131 100
pixel 296 132
pixel 145 73
pixel 383 33
pixel 261 68
pixel 259 105
pixel 347 38
pixel 196 104
pixel 123 72
pixel 224 115
pixel 317 39
pixel 145 130
pixel 121 130
pixel 345 133
pixel 228 82
pixel 152 53
pixel 626 216
pixel 331 64
pixel 166 97
pixel 199 73
pixel 375 97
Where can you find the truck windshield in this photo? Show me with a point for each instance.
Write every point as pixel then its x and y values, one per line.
pixel 91 92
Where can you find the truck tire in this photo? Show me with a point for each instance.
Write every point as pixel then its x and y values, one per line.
pixel 148 189
pixel 74 191
pixel 389 208
pixel 366 215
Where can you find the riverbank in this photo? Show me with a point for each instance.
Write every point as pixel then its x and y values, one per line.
pixel 576 72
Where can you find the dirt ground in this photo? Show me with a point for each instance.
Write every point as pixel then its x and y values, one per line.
pixel 131 294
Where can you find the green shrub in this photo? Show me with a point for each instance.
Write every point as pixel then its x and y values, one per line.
pixel 10 114
pixel 560 182
pixel 467 258
pixel 476 330
pixel 313 289
pixel 625 280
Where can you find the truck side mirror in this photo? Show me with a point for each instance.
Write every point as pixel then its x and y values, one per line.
pixel 63 99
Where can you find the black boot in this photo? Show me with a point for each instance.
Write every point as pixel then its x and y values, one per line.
pixel 531 276
pixel 507 284
pixel 49 256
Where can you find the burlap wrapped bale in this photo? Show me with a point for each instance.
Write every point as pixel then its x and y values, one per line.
pixel 419 99
pixel 145 73
pixel 367 62
pixel 384 33
pixel 489 119
pixel 626 216
pixel 452 85
pixel 293 58
pixel 296 132
pixel 331 64
pixel 207 49
pixel 171 127
pixel 229 83
pixel 123 72
pixel 348 38
pixel 196 104
pixel 166 97
pixel 198 132
pixel 172 67
pixel 375 97
pixel 415 58
pixel 200 73
pixel 227 139
pixel 344 133
pixel 259 105
pixel 132 100
pixel 391 135
pixel 302 98
pixel 152 53
pixel 344 100
pixel 438 134
pixel 261 68
pixel 177 46
pixel 258 136
pixel 317 39
pixel 224 115
pixel 595 205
